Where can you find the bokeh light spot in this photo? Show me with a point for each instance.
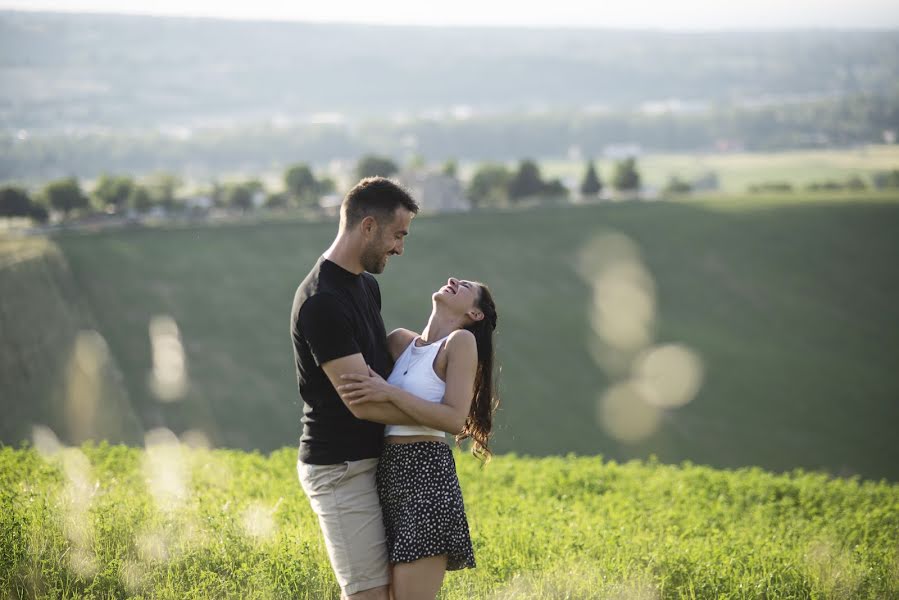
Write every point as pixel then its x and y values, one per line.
pixel 625 414
pixel 168 379
pixel 669 375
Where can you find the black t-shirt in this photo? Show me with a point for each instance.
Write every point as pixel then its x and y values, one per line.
pixel 336 313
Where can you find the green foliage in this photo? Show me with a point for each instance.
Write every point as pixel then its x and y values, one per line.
pixel 14 202
pixel 450 168
pixel 163 189
pixel 526 181
pixel 113 192
pixel 854 183
pixel 626 178
pixel 108 522
pixel 771 187
pixel 65 195
pixel 239 196
pixel 590 184
pixel 140 199
pixel 301 185
pixel 38 213
pixel 676 185
pixel 372 165
pixel 489 185
pixel 277 200
pixel 886 179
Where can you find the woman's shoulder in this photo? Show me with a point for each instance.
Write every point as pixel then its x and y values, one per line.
pixel 398 339
pixel 461 340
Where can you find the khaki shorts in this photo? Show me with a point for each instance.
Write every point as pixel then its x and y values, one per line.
pixel 345 498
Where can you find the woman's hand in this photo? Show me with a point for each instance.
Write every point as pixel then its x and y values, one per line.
pixel 364 388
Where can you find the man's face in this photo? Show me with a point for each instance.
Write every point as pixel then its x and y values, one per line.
pixel 387 240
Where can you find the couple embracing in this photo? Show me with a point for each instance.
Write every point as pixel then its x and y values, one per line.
pixel 373 458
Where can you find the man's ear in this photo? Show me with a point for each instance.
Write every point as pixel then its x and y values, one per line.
pixel 369 225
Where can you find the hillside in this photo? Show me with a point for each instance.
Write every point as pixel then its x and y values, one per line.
pixel 56 370
pixel 171 522
pixel 789 306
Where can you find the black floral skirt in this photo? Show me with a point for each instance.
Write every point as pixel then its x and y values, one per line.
pixel 421 502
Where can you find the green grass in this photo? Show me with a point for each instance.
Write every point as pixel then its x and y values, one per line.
pixel 100 522
pixel 789 304
pixel 737 171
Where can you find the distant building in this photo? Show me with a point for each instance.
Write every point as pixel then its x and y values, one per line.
pixel 435 192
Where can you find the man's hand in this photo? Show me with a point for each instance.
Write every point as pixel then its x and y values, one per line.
pixel 364 388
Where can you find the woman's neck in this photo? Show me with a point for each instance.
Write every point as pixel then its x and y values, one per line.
pixel 439 326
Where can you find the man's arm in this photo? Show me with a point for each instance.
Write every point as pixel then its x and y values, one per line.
pixel 449 415
pixel 379 412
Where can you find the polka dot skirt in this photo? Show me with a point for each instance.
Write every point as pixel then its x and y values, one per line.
pixel 421 502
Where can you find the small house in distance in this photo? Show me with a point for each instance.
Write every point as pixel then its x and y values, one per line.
pixel 435 192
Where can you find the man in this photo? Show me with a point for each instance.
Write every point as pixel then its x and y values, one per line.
pixel 337 329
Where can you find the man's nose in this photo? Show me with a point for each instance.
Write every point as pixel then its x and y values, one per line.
pixel 398 248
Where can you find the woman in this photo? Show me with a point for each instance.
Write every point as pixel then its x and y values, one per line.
pixel 442 379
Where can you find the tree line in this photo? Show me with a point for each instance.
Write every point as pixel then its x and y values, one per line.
pixel 492 184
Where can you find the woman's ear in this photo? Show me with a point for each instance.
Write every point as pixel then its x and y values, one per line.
pixel 475 315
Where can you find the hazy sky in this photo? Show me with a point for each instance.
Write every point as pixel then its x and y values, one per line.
pixel 653 14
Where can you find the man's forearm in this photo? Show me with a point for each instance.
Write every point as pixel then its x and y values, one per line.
pixel 386 413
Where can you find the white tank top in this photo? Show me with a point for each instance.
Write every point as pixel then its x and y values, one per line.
pixel 414 372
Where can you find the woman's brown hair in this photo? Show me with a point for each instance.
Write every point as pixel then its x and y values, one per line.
pixel 479 423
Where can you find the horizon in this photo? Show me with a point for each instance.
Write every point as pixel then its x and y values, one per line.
pixel 642 15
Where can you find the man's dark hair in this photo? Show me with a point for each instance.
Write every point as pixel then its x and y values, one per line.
pixel 375 196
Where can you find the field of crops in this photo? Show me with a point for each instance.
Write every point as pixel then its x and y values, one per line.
pixel 789 305
pixel 174 522
pixel 737 171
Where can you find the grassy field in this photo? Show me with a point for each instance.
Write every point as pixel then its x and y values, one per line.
pixel 172 523
pixel 789 305
pixel 737 171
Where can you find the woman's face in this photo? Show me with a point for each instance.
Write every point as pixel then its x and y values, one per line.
pixel 459 295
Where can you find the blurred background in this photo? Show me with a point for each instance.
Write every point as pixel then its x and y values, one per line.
pixel 688 214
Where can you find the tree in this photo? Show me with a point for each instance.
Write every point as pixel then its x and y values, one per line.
pixel 65 195
pixel 855 183
pixel 140 199
pixel 112 192
pixel 14 202
pixel 38 213
pixel 489 186
pixel 326 185
pixel 276 200
pixel 239 196
pixel 676 185
pixel 301 185
pixel 526 181
pixel 554 188
pixel 372 165
pixel 450 168
pixel 591 184
pixel 626 177
pixel 886 179
pixel 163 189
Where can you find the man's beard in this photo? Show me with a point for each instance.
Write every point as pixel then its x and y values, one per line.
pixel 373 260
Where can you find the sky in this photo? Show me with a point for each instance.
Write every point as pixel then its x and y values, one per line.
pixel 641 14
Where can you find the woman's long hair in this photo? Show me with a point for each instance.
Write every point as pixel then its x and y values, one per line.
pixel 479 423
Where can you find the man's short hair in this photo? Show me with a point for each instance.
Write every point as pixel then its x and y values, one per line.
pixel 375 196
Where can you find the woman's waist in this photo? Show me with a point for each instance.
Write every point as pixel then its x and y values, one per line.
pixel 410 439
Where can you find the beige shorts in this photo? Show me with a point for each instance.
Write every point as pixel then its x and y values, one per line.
pixel 345 498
